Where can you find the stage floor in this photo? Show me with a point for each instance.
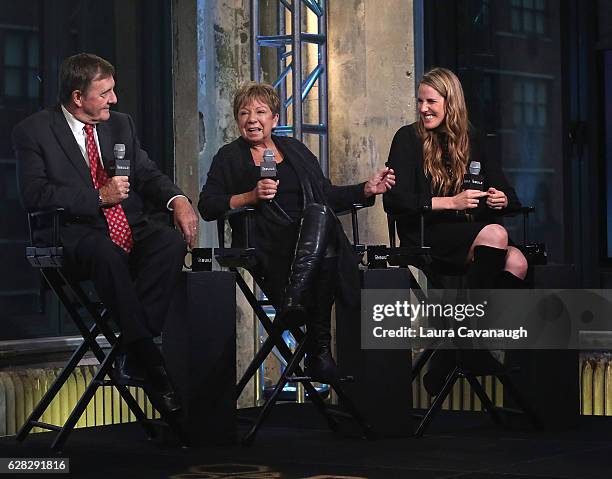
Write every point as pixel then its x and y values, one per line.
pixel 458 445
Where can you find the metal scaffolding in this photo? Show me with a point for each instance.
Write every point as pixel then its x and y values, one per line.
pixel 295 68
pixel 289 60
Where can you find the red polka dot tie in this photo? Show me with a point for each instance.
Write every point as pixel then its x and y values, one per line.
pixel 118 226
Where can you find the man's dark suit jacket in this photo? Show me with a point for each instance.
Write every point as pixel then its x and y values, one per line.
pixel 52 173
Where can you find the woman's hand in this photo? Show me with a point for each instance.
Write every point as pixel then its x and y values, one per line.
pixel 265 190
pixel 497 199
pixel 467 199
pixel 381 182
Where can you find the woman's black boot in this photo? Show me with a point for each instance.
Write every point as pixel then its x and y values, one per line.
pixel 315 232
pixel 319 362
pixel 488 262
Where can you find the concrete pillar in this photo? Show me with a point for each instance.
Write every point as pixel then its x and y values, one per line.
pixel 371 92
pixel 185 92
pixel 223 63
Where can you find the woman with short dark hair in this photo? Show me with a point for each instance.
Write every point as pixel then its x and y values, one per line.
pixel 304 258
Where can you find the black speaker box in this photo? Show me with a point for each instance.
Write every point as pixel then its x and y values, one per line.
pixel 382 389
pixel 199 346
pixel 549 379
pixel 549 382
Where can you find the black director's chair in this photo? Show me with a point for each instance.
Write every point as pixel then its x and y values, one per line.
pixel 419 257
pixel 234 258
pixel 46 254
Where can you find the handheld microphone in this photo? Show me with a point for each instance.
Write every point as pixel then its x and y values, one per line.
pixel 267 168
pixel 473 180
pixel 120 166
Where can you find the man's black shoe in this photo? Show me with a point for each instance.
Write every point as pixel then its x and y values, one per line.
pixel 170 402
pixel 163 389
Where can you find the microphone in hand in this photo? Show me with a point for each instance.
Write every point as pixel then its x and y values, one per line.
pixel 118 186
pixel 119 166
pixel 473 180
pixel 267 168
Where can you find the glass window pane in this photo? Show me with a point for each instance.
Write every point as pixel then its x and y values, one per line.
pixel 540 5
pixel 516 20
pixel 528 21
pixel 13 50
pixel 12 83
pixel 539 26
pixel 528 3
pixel 517 93
pixel 33 85
pixel 33 51
pixel 542 116
pixel 485 13
pixel 529 115
pixel 542 93
pixel 517 115
pixel 529 92
pixel 487 92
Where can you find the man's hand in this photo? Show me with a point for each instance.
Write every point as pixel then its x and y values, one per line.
pixel 114 191
pixel 185 219
pixel 381 182
pixel 497 199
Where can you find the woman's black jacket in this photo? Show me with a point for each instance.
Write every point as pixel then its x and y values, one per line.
pixel 233 172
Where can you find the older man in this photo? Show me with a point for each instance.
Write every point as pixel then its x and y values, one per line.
pixel 63 158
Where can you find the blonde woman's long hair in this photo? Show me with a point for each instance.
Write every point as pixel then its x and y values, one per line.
pixel 455 125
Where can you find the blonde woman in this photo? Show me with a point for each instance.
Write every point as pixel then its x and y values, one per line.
pixel 430 158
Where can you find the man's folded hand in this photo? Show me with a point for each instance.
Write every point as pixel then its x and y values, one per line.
pixel 185 219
